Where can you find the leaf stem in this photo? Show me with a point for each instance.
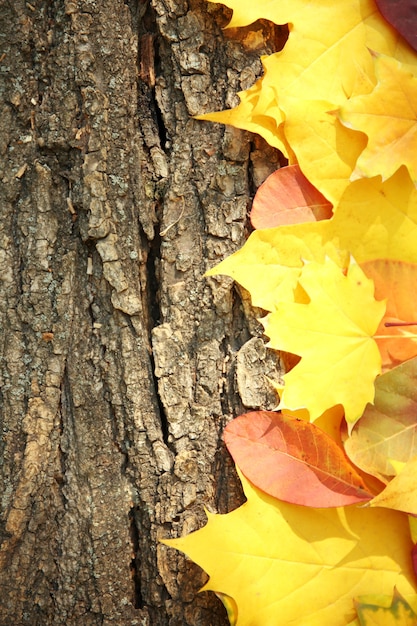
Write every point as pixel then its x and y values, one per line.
pixel 394 337
pixel 390 324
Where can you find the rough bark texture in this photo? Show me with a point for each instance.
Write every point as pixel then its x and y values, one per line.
pixel 118 360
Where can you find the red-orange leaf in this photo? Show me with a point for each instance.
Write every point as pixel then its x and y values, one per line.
pixel 402 15
pixel 293 460
pixel 287 197
pixel 395 281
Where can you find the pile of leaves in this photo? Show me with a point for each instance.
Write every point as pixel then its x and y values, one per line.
pixel 328 532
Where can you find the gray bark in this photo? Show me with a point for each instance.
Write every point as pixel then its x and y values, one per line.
pixel 118 360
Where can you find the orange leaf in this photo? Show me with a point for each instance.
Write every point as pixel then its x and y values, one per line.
pixel 395 281
pixel 287 197
pixel 293 460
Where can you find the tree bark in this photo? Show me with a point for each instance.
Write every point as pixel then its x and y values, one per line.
pixel 120 363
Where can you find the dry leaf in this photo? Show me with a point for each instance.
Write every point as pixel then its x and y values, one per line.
pixel 401 492
pixel 394 281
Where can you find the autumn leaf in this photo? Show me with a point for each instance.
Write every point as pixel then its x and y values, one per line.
pixel 414 558
pixel 332 423
pixel 412 520
pixel 293 460
pixel 369 211
pixel 329 422
pixel 329 66
pixel 388 116
pixel 230 606
pixel 255 116
pixel 326 150
pixel 401 15
pixel 394 280
pixel 385 611
pixel 287 197
pixel 314 74
pixel 303 565
pixel 387 431
pixel 334 329
pixel 401 492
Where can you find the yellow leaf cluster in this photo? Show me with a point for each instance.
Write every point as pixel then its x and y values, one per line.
pixel 296 102
pixel 281 568
pixel 368 212
pixel 272 262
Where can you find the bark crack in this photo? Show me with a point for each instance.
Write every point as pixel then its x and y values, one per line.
pixel 148 64
pixel 134 564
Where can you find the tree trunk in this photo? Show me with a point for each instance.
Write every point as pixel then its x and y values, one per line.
pixel 120 363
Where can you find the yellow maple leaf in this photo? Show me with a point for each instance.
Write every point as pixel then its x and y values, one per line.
pixel 270 262
pixel 327 52
pixel 334 329
pixel 326 150
pixel 257 112
pixel 288 564
pixel 388 116
pixel 329 68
